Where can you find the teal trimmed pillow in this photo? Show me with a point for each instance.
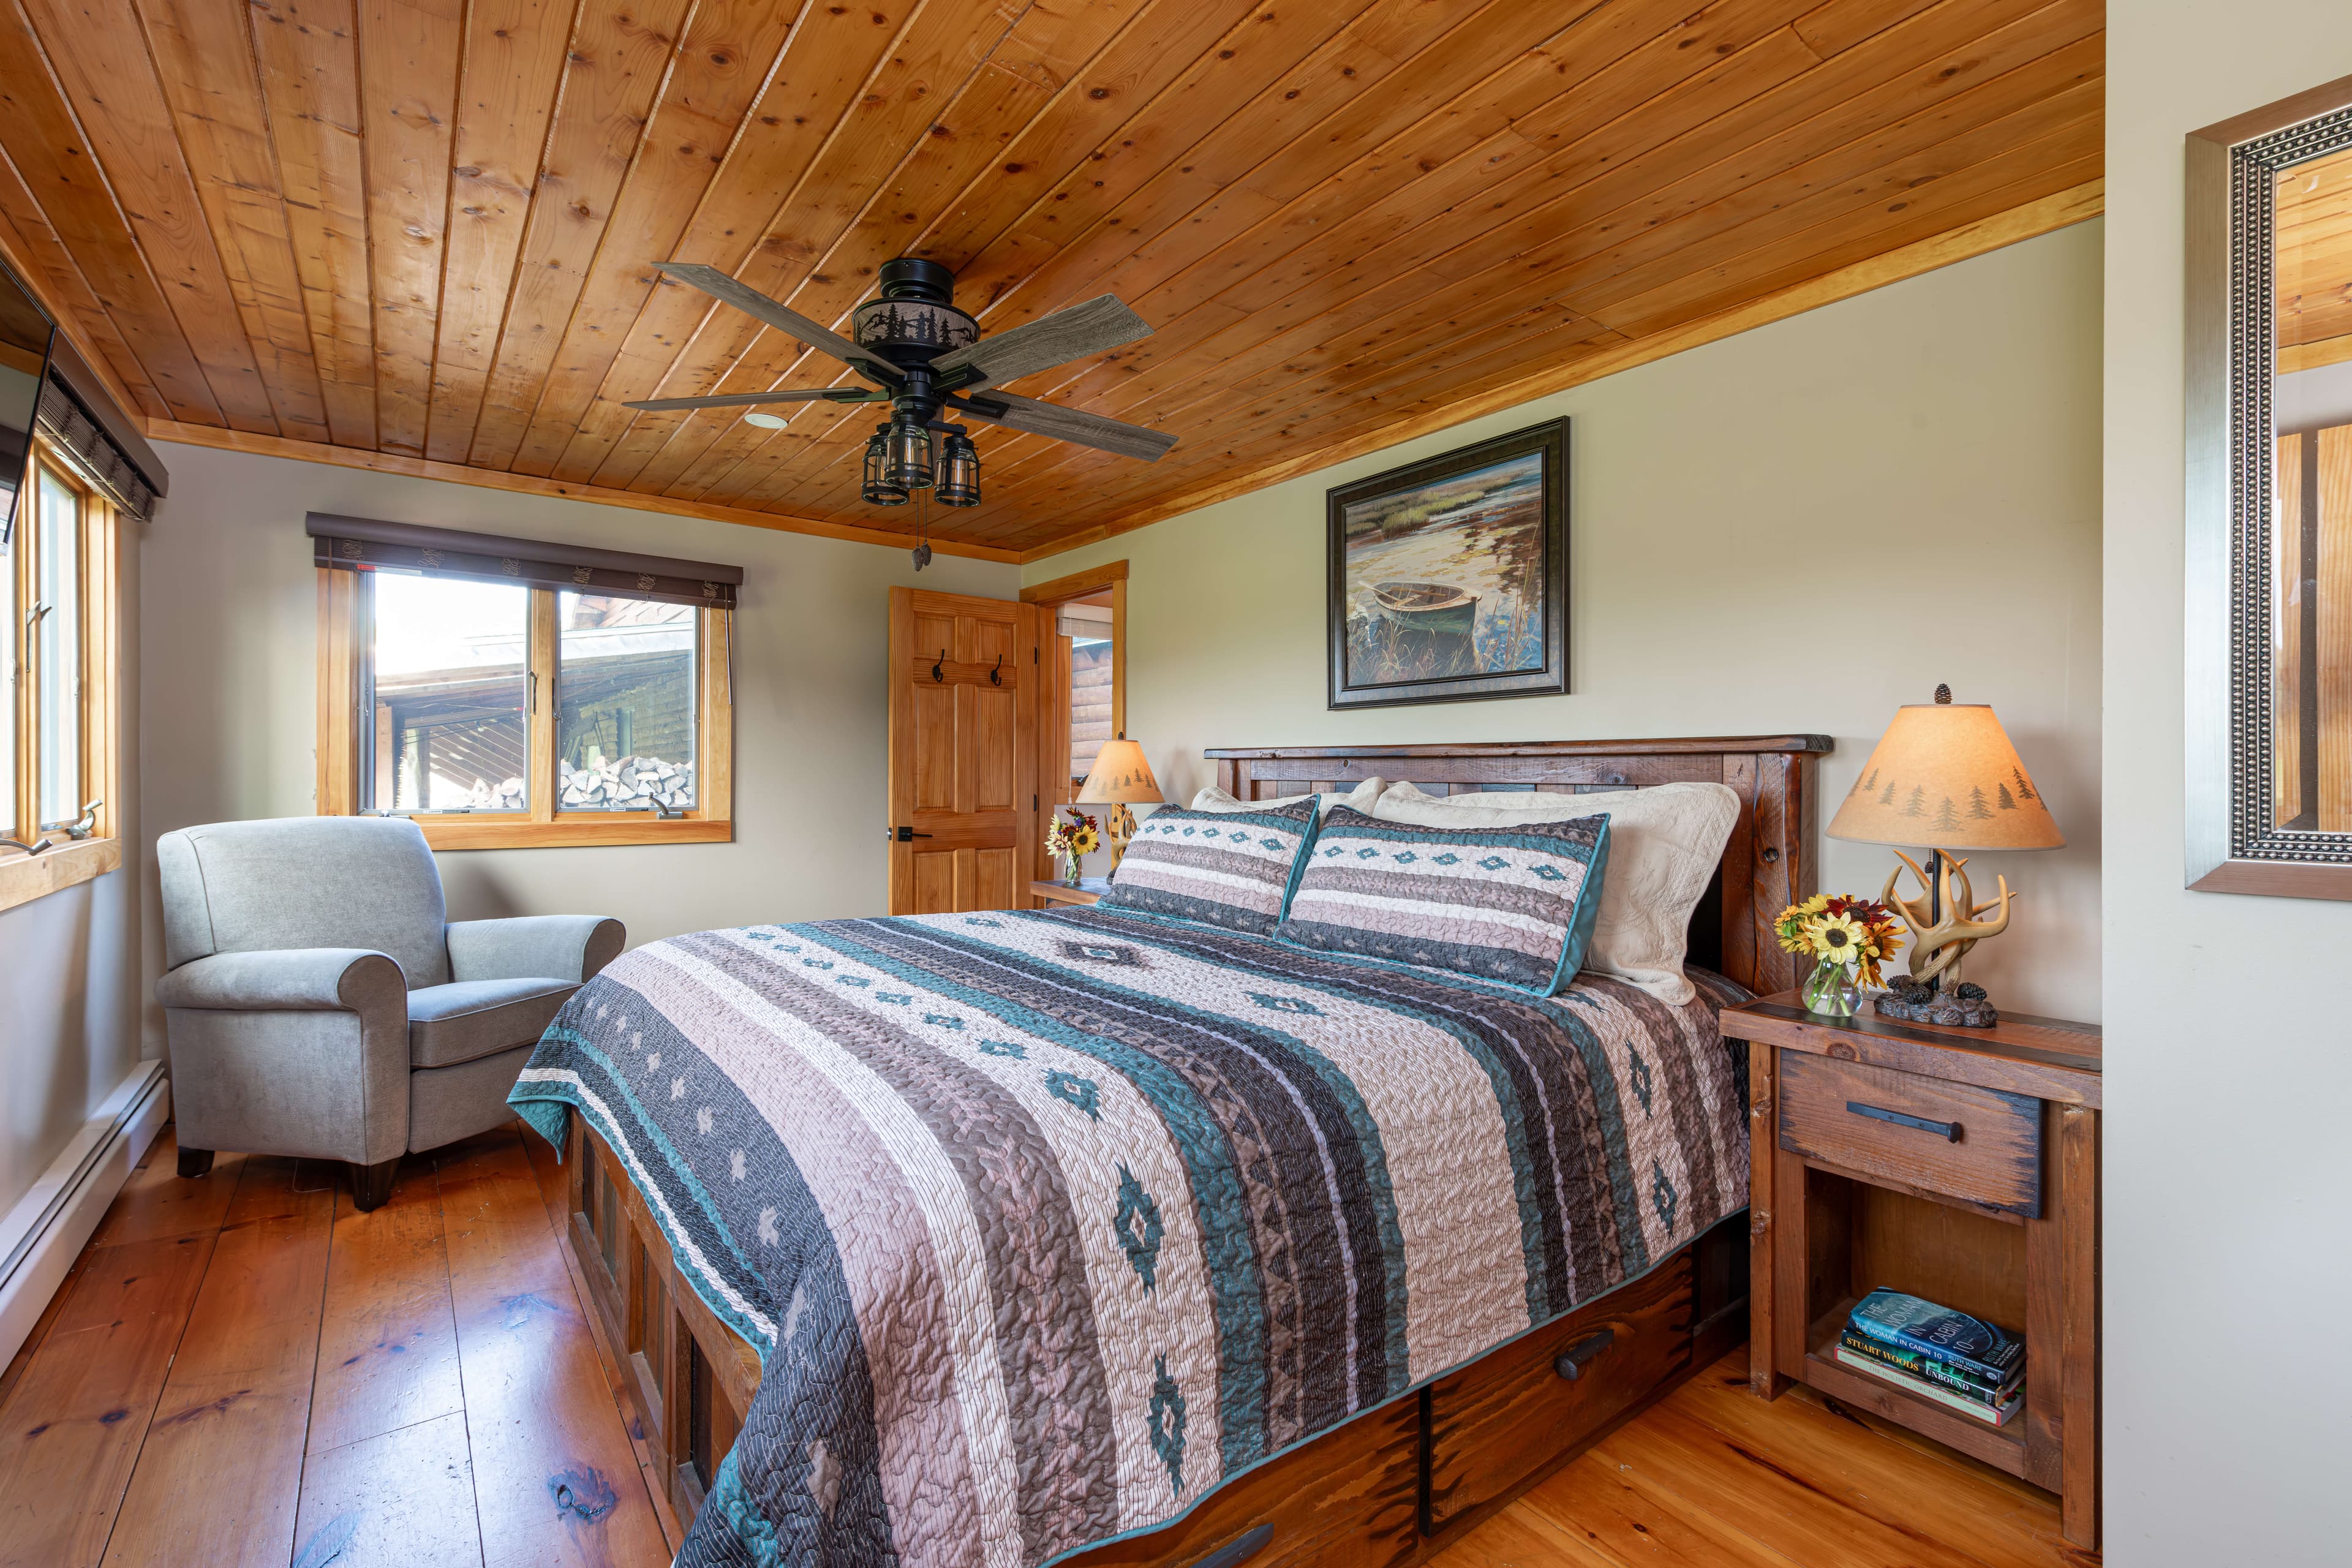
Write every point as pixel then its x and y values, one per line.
pixel 1228 868
pixel 1513 904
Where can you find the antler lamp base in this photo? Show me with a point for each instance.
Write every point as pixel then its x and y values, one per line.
pixel 1945 922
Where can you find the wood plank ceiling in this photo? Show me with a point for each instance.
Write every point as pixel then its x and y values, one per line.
pixel 425 227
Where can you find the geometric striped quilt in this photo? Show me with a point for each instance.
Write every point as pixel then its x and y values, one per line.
pixel 1047 1224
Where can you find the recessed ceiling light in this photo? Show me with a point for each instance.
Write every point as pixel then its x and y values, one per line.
pixel 765 421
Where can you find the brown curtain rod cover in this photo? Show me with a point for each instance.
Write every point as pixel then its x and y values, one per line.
pixel 361 544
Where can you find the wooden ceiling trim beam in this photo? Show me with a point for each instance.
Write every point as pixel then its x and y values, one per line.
pixel 46 150
pixel 2052 213
pixel 823 77
pixel 135 150
pixel 412 53
pixel 212 94
pixel 615 67
pixel 48 268
pixel 716 153
pixel 529 484
pixel 308 53
pixel 944 50
pixel 513 68
pixel 967 136
pixel 1741 183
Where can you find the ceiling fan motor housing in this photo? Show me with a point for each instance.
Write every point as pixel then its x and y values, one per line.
pixel 914 321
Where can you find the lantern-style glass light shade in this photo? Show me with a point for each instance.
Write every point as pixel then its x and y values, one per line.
pixel 959 473
pixel 907 462
pixel 878 490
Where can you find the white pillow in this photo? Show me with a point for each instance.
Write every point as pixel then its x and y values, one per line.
pixel 1361 798
pixel 1664 844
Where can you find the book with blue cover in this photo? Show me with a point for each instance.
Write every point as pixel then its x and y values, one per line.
pixel 1969 1345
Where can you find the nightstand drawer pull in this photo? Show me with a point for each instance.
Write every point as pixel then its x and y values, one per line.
pixel 1949 1131
pixel 1571 1362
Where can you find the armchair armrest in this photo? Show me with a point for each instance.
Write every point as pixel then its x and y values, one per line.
pixel 307 979
pixel 558 947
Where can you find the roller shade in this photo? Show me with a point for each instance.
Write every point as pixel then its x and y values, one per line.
pixel 359 544
pixel 84 440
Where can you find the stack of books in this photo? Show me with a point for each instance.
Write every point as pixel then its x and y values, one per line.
pixel 1959 1362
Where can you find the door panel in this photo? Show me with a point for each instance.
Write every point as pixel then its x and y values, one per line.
pixel 965 686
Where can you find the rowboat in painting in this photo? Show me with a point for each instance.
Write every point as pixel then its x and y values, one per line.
pixel 1435 609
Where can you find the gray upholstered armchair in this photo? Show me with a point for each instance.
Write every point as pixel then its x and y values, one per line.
pixel 319 1006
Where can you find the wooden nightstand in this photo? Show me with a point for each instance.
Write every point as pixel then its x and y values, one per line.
pixel 1086 892
pixel 1961 1165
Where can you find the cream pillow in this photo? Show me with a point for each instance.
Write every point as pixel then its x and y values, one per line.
pixel 1664 844
pixel 1361 797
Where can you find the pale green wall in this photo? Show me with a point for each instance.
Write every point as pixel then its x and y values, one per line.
pixel 2229 1165
pixel 1795 529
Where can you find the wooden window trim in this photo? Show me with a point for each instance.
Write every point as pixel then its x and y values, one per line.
pixel 711 821
pixel 23 877
pixel 1054 720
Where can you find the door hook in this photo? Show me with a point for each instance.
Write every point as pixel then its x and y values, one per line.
pixel 936 673
pixel 996 676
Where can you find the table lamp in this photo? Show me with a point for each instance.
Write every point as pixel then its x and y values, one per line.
pixel 1945 777
pixel 1121 773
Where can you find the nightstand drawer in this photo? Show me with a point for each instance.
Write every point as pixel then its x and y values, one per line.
pixel 1980 1145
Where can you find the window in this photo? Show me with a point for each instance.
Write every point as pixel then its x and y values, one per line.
pixel 509 714
pixel 56 668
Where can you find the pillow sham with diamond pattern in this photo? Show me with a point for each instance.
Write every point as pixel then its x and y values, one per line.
pixel 1228 868
pixel 1510 904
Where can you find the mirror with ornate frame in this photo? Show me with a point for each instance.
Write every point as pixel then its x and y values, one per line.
pixel 2269 500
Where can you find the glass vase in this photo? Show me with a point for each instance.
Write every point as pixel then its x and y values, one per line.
pixel 1832 990
pixel 1070 869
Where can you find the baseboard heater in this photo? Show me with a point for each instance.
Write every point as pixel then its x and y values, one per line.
pixel 41 1235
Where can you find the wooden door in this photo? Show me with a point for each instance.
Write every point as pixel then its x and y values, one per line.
pixel 965 684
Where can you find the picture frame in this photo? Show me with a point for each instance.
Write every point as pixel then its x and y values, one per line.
pixel 1447 580
pixel 2268 635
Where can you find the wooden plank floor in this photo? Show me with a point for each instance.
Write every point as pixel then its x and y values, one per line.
pixel 242 1370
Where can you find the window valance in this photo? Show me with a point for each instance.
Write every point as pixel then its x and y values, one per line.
pixel 361 544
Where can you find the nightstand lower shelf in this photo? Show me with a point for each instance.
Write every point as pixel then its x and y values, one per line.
pixel 2004 1448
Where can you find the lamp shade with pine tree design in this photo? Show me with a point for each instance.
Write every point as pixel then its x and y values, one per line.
pixel 1944 776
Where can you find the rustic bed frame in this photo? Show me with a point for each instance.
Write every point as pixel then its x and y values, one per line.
pixel 1403 1481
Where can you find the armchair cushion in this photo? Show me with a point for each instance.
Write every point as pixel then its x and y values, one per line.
pixel 304 882
pixel 469 1019
pixel 564 947
pixel 304 979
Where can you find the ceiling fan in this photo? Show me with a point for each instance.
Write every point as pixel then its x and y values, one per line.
pixel 926 357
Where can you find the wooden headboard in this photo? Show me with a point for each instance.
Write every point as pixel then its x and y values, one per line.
pixel 1766 865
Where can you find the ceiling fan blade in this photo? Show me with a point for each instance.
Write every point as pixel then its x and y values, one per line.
pixel 745 399
pixel 1100 324
pixel 1050 419
pixel 784 319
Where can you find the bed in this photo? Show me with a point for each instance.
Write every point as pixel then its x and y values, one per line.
pixel 1005 1238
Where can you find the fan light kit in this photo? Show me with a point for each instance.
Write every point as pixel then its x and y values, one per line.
pixel 924 357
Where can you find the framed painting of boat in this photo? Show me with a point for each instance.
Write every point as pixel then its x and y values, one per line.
pixel 1448 578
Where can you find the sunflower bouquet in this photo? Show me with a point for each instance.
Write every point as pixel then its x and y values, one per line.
pixel 1068 841
pixel 1846 938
